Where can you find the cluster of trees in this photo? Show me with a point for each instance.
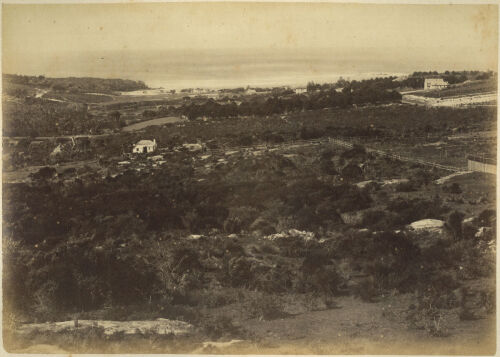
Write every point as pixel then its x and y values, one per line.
pixel 378 83
pixel 76 85
pixel 274 90
pixel 453 77
pixel 16 91
pixel 383 83
pixel 415 80
pixel 279 105
pixel 454 73
pixel 40 117
pixel 424 73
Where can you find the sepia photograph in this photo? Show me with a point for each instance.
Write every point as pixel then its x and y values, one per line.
pixel 314 178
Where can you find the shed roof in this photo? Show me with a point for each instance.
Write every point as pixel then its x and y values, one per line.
pixel 145 142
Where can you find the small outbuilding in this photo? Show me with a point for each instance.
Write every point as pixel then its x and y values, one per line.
pixel 435 83
pixel 145 146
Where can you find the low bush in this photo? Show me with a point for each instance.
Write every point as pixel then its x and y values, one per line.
pixel 405 187
pixel 268 248
pixel 357 151
pixel 487 301
pixel 486 218
pixel 397 261
pixel 265 306
pixel 179 270
pixel 379 220
pixel 351 173
pixel 273 280
pixel 424 315
pixel 216 327
pixel 453 188
pixel 411 210
pixel 319 274
pixel 263 226
pixel 238 270
pixel 465 314
pixel 454 224
pixel 365 290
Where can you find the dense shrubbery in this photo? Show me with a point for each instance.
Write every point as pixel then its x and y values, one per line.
pixel 416 209
pixel 279 105
pixel 112 220
pixel 41 117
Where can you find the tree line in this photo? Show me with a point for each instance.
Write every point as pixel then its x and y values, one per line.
pixel 279 105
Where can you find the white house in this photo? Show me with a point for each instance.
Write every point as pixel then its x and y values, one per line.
pixel 144 146
pixel 435 83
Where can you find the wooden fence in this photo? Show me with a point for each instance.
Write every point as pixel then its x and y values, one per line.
pixel 398 157
pixel 346 144
pixel 481 167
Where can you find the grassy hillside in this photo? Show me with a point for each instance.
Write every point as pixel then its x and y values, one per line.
pixel 466 88
pixel 74 84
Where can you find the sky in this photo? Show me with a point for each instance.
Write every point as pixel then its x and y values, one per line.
pixel 63 39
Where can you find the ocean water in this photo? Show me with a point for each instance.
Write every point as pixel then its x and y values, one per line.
pixel 177 69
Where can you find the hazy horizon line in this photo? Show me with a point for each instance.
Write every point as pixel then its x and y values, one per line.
pixel 286 81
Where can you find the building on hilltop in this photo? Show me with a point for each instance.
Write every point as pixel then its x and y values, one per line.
pixel 144 146
pixel 435 83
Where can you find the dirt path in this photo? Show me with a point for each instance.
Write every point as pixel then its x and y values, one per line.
pixel 360 328
pixel 351 327
pixel 442 180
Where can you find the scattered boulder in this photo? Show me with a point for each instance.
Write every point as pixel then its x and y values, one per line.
pixel 292 233
pixel 482 232
pixel 213 347
pixel 110 328
pixel 363 184
pixel 353 218
pixel 430 225
pixel 468 220
pixel 156 158
pixel 193 147
pixel 56 151
pixel 395 181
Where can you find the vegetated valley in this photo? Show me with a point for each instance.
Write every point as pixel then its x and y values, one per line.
pixel 265 221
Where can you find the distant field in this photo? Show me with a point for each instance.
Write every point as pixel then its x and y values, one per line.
pixel 473 87
pixel 157 121
pixel 79 97
pixel 15 88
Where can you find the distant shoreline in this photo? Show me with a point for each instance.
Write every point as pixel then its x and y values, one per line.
pixel 282 81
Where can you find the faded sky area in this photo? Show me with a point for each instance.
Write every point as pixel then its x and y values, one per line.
pixel 71 39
